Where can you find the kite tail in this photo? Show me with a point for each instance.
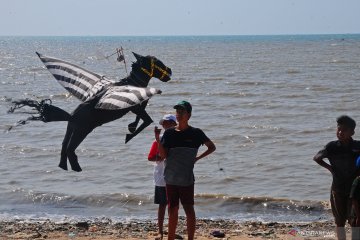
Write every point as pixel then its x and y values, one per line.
pixel 46 112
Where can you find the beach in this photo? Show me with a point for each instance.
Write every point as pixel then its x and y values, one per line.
pixel 107 230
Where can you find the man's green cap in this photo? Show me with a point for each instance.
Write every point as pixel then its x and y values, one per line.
pixel 184 105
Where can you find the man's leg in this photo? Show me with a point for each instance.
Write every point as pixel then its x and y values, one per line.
pixel 172 194
pixel 190 220
pixel 339 204
pixel 173 220
pixel 187 200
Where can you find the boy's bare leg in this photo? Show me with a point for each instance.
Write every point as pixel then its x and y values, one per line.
pixel 161 216
pixel 173 220
pixel 190 220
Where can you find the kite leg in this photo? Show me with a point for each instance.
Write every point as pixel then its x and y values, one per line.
pixel 63 158
pixel 132 126
pixel 146 122
pixel 77 136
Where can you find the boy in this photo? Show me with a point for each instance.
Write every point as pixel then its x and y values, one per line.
pixel 180 146
pixel 342 156
pixel 166 122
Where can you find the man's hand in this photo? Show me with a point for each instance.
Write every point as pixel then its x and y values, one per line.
pixel 321 162
pixel 157 132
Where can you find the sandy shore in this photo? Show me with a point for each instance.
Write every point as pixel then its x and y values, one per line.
pixel 148 230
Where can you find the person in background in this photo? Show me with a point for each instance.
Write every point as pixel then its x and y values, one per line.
pixel 166 122
pixel 179 146
pixel 342 155
pixel 355 200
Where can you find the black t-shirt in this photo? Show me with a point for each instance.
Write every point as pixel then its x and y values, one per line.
pixel 342 158
pixel 190 137
pixel 182 149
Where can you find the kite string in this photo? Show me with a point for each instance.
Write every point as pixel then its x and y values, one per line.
pixel 120 57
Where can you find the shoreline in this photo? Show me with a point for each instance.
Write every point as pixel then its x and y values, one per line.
pixel 106 230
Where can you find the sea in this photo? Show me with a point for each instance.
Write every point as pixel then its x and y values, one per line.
pixel 269 103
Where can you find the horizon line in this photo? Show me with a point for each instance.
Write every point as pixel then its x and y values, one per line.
pixel 185 35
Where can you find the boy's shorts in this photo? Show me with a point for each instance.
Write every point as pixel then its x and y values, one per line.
pixel 160 195
pixel 183 193
pixel 341 207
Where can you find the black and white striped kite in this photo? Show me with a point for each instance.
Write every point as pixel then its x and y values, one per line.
pixel 84 84
pixel 80 82
pixel 121 97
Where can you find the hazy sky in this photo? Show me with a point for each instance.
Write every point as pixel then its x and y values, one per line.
pixel 178 17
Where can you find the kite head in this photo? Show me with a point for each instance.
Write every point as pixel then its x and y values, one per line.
pixel 153 67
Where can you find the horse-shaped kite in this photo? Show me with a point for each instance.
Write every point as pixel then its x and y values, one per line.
pixel 104 100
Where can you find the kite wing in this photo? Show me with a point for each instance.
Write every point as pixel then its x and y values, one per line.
pixel 80 82
pixel 122 97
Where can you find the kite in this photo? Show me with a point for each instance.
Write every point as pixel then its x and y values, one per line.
pixel 103 100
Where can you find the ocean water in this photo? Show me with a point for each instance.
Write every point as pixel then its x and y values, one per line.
pixel 269 103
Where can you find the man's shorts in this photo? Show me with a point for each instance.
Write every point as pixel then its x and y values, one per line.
pixel 341 207
pixel 183 193
pixel 160 195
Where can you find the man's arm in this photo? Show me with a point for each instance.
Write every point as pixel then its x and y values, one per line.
pixel 163 152
pixel 210 148
pixel 319 159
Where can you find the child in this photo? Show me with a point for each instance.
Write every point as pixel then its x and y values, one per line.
pixel 342 156
pixel 166 122
pixel 355 198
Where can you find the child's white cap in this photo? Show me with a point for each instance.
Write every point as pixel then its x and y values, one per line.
pixel 168 117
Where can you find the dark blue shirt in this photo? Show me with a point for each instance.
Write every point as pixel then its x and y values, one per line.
pixel 342 158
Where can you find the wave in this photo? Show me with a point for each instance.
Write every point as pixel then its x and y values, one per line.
pixel 22 196
pixel 293 71
pixel 30 205
pixel 342 61
pixel 110 199
pixel 266 202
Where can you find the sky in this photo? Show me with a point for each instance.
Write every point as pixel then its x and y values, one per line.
pixel 177 17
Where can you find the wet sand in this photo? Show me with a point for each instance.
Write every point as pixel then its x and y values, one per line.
pixel 107 230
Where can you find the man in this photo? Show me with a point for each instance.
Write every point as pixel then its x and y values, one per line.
pixel 179 146
pixel 342 155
